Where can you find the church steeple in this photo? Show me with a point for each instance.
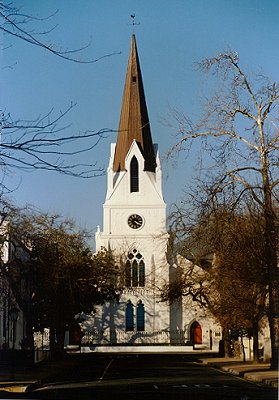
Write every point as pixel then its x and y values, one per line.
pixel 134 121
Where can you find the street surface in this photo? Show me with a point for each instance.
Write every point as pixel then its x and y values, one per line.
pixel 145 376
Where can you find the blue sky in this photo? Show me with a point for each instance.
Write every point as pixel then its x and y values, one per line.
pixel 172 36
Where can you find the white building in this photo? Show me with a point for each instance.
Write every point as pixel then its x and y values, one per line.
pixel 12 321
pixel 134 228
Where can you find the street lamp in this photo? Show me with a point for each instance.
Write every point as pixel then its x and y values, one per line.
pixel 13 313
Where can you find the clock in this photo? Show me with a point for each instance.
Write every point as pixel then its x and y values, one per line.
pixel 135 221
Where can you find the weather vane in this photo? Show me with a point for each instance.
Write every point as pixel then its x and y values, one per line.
pixel 133 16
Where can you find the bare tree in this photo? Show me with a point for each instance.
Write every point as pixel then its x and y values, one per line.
pixel 16 23
pixel 227 274
pixel 239 130
pixel 43 143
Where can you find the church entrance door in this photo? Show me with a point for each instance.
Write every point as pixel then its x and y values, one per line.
pixel 196 333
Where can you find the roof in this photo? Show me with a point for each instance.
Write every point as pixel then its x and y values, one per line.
pixel 134 121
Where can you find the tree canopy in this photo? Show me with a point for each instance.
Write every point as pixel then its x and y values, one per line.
pixel 61 275
pixel 227 274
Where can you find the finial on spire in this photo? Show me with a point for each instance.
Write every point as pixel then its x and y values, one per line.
pixel 133 16
pixel 133 19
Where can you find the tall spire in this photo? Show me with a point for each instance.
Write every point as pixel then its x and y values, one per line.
pixel 134 121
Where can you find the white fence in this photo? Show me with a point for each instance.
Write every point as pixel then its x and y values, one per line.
pixel 109 337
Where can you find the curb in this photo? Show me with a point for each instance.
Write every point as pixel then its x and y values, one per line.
pixel 271 380
pixel 261 373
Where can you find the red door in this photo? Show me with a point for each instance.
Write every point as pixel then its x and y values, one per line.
pixel 196 333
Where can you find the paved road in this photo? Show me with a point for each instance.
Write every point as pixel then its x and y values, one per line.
pixel 147 377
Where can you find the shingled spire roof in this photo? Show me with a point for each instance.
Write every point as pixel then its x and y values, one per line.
pixel 134 122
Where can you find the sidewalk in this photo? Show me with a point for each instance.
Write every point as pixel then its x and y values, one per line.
pixel 259 373
pixel 199 349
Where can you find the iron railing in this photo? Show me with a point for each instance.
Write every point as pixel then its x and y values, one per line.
pixel 41 340
pixel 116 337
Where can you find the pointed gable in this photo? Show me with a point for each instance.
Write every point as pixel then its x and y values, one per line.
pixel 134 121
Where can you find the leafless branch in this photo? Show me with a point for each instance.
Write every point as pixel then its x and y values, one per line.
pixel 15 24
pixel 33 145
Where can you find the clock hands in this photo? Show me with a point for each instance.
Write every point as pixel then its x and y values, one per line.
pixel 135 221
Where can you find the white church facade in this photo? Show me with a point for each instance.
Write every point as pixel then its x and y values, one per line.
pixel 135 230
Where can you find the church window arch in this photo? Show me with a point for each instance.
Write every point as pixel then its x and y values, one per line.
pixel 140 316
pixel 135 279
pixel 128 273
pixel 134 175
pixel 129 316
pixel 135 270
pixel 141 268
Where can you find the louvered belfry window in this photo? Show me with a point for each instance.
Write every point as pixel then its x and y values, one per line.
pixel 134 175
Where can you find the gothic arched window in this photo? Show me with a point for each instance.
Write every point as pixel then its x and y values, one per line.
pixel 141 273
pixel 134 175
pixel 135 270
pixel 128 275
pixel 135 275
pixel 140 316
pixel 129 316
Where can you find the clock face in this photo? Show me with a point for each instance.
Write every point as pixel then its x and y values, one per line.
pixel 135 221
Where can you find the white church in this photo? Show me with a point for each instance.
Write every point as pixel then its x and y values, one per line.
pixel 134 228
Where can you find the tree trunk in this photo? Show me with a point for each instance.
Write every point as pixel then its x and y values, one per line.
pixel 57 336
pixel 256 353
pixel 243 348
pixel 52 339
pixel 29 331
pixel 273 286
pixel 274 324
pixel 227 350
pixel 60 334
pixel 271 261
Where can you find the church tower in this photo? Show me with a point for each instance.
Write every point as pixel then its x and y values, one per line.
pixel 134 217
pixel 134 229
